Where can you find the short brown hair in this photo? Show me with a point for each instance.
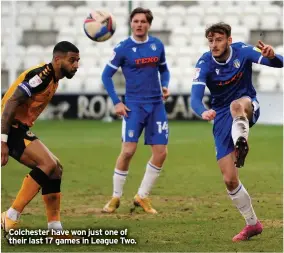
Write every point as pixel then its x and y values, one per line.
pixel 220 27
pixel 147 12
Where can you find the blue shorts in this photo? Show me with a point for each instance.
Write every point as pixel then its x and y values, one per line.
pixel 152 117
pixel 222 130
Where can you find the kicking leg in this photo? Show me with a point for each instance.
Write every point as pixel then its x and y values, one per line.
pixel 241 111
pixel 240 198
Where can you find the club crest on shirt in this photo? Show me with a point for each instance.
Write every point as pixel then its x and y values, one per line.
pixel 130 133
pixel 153 46
pixel 236 63
pixel 30 134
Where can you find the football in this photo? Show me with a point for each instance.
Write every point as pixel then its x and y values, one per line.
pixel 99 25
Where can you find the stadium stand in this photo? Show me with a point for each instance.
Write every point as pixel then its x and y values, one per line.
pixel 181 23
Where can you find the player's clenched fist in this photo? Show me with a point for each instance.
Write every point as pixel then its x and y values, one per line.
pixel 208 115
pixel 266 50
pixel 166 93
pixel 121 109
pixel 4 153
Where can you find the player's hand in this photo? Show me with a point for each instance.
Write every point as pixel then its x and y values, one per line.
pixel 208 115
pixel 4 153
pixel 166 93
pixel 121 109
pixel 266 50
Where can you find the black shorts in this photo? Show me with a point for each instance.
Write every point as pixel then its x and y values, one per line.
pixel 19 138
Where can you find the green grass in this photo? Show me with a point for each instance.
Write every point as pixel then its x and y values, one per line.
pixel 195 213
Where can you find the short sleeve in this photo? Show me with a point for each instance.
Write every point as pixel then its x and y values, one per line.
pixel 36 80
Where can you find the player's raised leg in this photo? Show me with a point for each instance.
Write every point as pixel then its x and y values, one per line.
pixel 241 111
pixel 120 173
pixel 46 174
pixel 240 198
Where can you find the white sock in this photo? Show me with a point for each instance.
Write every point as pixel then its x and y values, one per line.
pixel 13 214
pixel 240 127
pixel 150 176
pixel 241 199
pixel 56 225
pixel 119 178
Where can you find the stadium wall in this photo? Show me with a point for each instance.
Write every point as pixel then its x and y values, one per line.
pixel 98 106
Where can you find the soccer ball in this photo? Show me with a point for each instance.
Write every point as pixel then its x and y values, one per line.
pixel 99 25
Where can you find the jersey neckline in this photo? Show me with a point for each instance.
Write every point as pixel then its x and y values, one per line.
pixel 224 63
pixel 139 42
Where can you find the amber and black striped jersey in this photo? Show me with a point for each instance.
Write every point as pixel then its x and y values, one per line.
pixel 39 84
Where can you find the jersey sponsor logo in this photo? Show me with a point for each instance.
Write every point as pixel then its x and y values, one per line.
pixel 147 60
pixel 196 73
pixel 236 78
pixel 35 81
pixel 237 63
pixel 153 46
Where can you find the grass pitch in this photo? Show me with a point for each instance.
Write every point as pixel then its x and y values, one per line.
pixel 195 213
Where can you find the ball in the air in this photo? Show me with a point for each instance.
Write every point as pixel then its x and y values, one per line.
pixel 99 25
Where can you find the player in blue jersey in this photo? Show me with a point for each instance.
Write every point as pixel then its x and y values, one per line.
pixel 227 71
pixel 142 59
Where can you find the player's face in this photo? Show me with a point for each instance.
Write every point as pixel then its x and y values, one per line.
pixel 70 64
pixel 219 44
pixel 140 25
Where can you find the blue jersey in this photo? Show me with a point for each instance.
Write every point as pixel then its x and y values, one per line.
pixel 230 80
pixel 140 63
pixel 227 82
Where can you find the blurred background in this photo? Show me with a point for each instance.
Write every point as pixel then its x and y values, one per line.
pixel 30 29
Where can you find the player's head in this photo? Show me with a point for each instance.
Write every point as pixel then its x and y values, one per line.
pixel 219 39
pixel 140 21
pixel 66 58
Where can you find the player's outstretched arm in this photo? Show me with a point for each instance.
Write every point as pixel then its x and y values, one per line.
pixel 266 50
pixel 109 85
pixel 265 55
pixel 7 117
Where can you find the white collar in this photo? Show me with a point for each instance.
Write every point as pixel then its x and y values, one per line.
pixel 230 57
pixel 139 42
